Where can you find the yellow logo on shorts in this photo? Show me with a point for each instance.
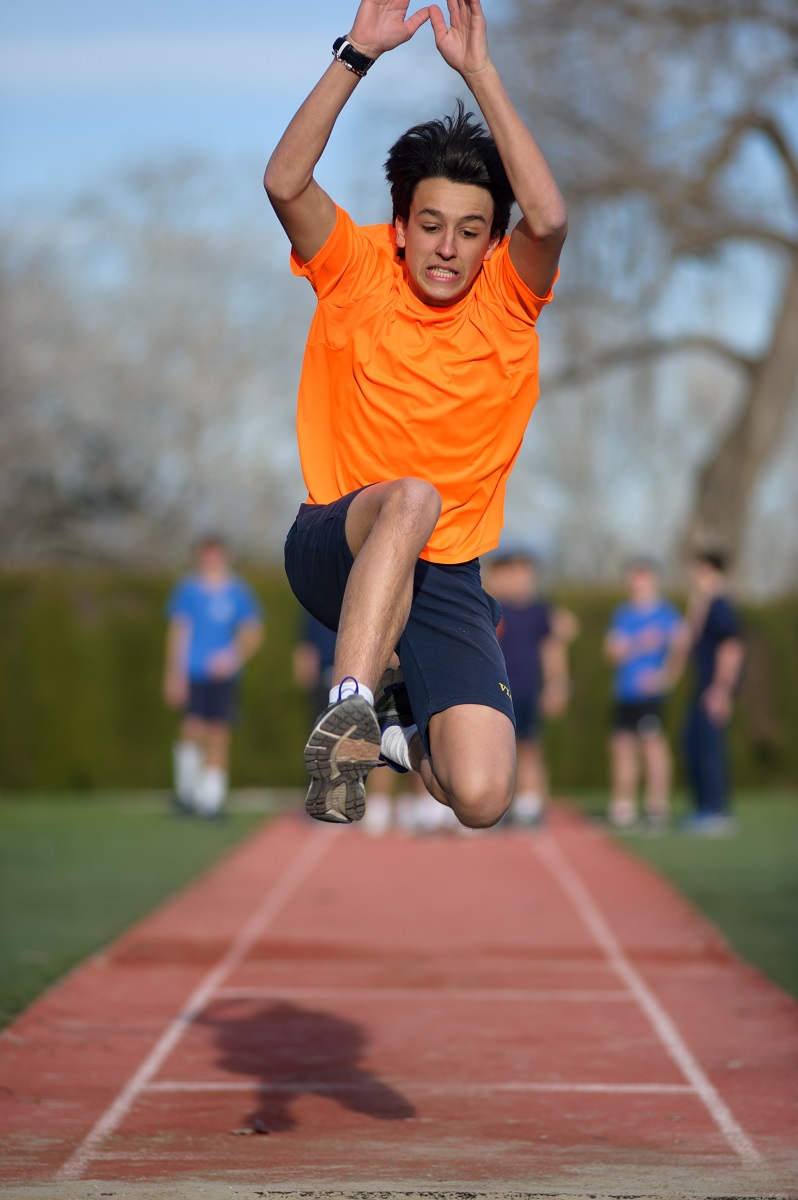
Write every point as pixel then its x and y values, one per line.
pixel 506 690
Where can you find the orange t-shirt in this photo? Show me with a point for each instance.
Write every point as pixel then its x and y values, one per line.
pixel 392 387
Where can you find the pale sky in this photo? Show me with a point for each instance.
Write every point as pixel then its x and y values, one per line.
pixel 88 87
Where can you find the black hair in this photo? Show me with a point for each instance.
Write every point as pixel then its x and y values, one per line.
pixel 642 562
pixel 211 539
pixel 715 558
pixel 456 148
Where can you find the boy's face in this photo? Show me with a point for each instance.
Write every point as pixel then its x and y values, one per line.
pixel 514 581
pixel 642 585
pixel 446 239
pixel 706 579
pixel 212 558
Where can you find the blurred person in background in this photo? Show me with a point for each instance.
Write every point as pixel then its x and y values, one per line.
pixel 215 626
pixel 717 653
pixel 314 655
pixel 534 636
pixel 645 637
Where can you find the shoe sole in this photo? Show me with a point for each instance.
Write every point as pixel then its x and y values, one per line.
pixel 341 750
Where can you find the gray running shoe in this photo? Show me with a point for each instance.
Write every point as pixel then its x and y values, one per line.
pixel 343 747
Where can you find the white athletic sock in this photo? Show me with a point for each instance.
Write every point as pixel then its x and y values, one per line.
pixel 350 687
pixel 395 744
pixel 211 791
pixel 187 765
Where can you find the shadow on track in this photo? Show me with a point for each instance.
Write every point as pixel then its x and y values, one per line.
pixel 291 1051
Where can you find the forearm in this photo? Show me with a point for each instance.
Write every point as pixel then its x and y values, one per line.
pixel 728 664
pixel 532 182
pixel 248 641
pixel 175 658
pixel 554 658
pixel 289 171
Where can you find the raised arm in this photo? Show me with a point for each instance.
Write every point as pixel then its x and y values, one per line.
pixel 538 237
pixel 305 211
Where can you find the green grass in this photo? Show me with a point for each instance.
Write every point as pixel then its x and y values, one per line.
pixel 74 873
pixel 747 884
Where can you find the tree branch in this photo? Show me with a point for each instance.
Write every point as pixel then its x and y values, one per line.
pixel 640 352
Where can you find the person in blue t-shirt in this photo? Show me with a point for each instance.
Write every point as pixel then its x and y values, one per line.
pixel 717 653
pixel 643 638
pixel 215 626
pixel 534 636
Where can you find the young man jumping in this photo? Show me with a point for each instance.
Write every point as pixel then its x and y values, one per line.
pixel 419 378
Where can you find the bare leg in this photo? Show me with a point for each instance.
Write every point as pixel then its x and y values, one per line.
pixel 387 527
pixel 657 760
pixel 624 764
pixel 472 765
pixel 193 729
pixel 217 743
pixel 531 790
pixel 532 775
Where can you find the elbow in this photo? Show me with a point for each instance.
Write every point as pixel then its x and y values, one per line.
pixel 281 186
pixel 276 184
pixel 553 227
pixel 273 185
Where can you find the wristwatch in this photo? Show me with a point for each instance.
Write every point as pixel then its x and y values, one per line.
pixel 352 59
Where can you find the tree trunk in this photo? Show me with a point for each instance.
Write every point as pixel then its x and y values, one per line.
pixel 727 479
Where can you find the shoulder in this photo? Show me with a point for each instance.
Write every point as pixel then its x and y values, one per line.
pixel 183 592
pixel 500 286
pixel 350 252
pixel 244 592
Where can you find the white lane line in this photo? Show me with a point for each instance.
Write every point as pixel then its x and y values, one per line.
pixel 444 1089
pixel 486 995
pixel 299 867
pixel 571 883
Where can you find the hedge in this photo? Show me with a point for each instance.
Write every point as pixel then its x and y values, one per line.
pixel 81 657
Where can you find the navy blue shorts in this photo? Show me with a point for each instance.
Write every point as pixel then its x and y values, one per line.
pixel 641 717
pixel 213 700
pixel 527 715
pixel 449 650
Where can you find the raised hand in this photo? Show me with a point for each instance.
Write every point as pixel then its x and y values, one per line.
pixel 382 25
pixel 464 42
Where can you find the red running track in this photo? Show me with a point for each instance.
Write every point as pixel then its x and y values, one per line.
pixel 489 1010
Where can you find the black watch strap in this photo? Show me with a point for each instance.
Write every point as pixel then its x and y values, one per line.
pixel 352 59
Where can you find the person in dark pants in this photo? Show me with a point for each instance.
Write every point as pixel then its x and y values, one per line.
pixel 314 655
pixel 534 636
pixel 716 656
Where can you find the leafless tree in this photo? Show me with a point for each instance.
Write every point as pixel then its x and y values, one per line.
pixel 149 373
pixel 672 127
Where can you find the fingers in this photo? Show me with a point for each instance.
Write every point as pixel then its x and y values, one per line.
pixel 437 21
pixel 417 20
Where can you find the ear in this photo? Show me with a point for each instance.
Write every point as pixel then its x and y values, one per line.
pixel 492 244
pixel 401 232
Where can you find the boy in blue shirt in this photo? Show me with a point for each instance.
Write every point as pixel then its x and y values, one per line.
pixel 644 635
pixel 215 627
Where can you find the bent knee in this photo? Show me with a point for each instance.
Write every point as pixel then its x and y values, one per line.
pixel 480 805
pixel 416 500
